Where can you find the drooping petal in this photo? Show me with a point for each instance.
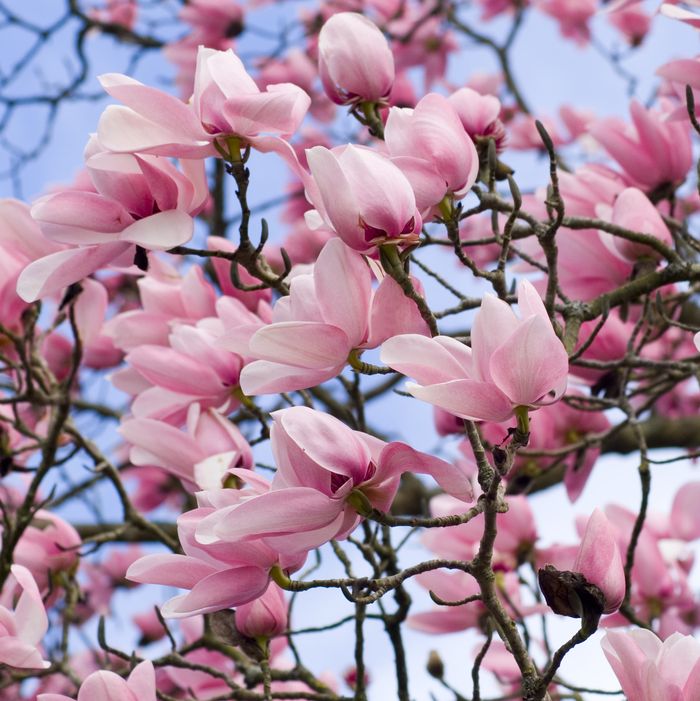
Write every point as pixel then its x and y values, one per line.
pixel 172 570
pixel 469 399
pixel 428 360
pixel 52 273
pixel 218 591
pixel 397 458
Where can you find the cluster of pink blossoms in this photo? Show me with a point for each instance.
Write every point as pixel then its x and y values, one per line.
pixel 191 349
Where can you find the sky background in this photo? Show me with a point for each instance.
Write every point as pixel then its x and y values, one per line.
pixel 552 73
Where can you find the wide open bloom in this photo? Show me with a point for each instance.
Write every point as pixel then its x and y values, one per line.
pixel 432 149
pixel 649 669
pixel 354 60
pixel 325 473
pixel 22 629
pixel 108 686
pixel 513 362
pixel 137 201
pixel 226 104
pixel 336 306
pixel 652 152
pixel 363 197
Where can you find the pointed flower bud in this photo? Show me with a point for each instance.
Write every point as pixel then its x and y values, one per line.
pixel 354 60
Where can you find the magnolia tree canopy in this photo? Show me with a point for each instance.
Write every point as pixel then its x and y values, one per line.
pixel 331 316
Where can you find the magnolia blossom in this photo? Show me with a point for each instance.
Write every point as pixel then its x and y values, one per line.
pixel 651 151
pixel 22 630
pixel 651 670
pixel 599 561
pixel 633 210
pixel 513 362
pixel 137 201
pixel 219 574
pixel 108 686
pixel 480 115
pixel 264 617
pixel 362 196
pixel 326 473
pixel 354 60
pixel 336 306
pixel 432 149
pixel 226 104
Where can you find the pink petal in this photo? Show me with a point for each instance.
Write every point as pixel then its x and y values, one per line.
pixel 218 591
pixel 160 231
pixel 307 443
pixel 343 289
pixel 30 615
pixel 104 686
pixel 469 399
pixel 397 458
pixel 51 274
pixel 335 197
pixel 529 364
pixel 493 324
pixel 171 570
pixel 15 653
pixel 289 342
pixel 428 360
pixel 393 314
pixel 142 681
pixel 265 377
pixel 121 129
pixel 280 512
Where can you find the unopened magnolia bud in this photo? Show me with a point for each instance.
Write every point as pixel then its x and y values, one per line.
pixel 435 665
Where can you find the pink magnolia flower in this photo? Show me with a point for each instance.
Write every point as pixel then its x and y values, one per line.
pixel 108 686
pixel 166 299
pixel 633 22
pixel 651 152
pixel 335 304
pixel 354 60
pixel 226 104
pixel 325 473
pixel 363 197
pixel 218 573
pixel 599 561
pixel 685 518
pixel 649 669
pixel 573 17
pixel 138 201
pixel 679 73
pixel 264 617
pixel 48 545
pixel 22 629
pixel 429 44
pixel 513 362
pixel 633 210
pixel 480 116
pixel 167 379
pixel 21 242
pixel 432 149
